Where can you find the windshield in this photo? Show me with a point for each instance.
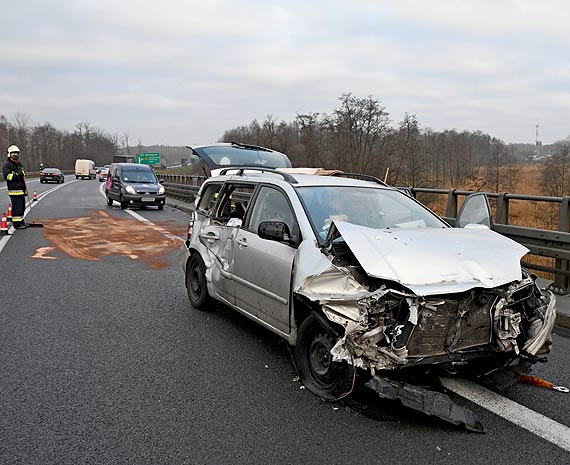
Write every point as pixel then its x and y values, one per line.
pixel 137 175
pixel 222 156
pixel 373 208
pixel 51 170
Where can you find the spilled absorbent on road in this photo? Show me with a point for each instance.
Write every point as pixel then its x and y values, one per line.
pixel 99 235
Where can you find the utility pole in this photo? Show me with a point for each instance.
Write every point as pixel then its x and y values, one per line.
pixel 537 144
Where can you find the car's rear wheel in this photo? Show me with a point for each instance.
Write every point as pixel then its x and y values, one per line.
pixel 161 207
pixel 196 284
pixel 317 370
pixel 109 201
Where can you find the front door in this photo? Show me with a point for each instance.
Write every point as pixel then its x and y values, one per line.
pixel 262 267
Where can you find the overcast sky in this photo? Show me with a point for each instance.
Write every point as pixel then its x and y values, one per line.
pixel 179 72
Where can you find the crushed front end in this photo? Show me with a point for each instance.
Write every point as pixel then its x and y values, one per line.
pixel 493 333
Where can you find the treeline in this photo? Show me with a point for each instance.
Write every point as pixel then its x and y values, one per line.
pixel 42 143
pixel 358 136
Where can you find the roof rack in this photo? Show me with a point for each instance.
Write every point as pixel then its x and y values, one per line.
pixel 249 146
pixel 286 176
pixel 364 177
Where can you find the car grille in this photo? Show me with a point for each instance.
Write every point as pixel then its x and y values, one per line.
pixel 147 192
pixel 436 329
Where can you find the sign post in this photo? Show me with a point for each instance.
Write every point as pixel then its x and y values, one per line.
pixel 149 158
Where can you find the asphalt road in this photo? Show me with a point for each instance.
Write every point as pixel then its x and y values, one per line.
pixel 103 361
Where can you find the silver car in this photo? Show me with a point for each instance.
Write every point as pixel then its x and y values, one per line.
pixel 361 278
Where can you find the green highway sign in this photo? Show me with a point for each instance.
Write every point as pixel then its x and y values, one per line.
pixel 148 158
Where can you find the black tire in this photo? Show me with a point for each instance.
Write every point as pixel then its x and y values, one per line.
pixel 161 207
pixel 196 283
pixel 317 371
pixel 123 203
pixel 109 201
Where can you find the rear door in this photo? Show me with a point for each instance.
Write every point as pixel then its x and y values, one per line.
pixel 226 206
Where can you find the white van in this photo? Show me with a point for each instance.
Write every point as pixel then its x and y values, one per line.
pixel 85 169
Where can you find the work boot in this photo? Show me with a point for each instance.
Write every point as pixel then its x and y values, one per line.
pixel 20 225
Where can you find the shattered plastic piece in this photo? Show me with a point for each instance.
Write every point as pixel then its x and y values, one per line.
pixel 425 400
pixel 536 381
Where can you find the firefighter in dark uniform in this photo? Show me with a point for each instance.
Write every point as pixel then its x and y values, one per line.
pixel 16 183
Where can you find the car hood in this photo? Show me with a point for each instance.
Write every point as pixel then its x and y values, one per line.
pixel 435 260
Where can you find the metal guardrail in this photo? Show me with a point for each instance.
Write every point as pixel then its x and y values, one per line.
pixel 541 242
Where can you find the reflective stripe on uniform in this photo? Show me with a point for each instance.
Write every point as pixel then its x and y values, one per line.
pixel 16 193
pixel 10 176
pixel 15 219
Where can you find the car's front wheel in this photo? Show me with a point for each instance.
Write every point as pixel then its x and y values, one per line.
pixel 109 201
pixel 317 370
pixel 123 203
pixel 196 284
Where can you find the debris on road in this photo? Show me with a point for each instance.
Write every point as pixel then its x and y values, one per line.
pixel 536 381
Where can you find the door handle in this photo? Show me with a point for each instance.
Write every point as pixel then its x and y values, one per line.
pixel 210 236
pixel 242 241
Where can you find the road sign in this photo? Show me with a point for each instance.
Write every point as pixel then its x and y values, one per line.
pixel 148 158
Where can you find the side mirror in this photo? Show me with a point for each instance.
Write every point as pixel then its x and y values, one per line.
pixel 161 181
pixel 475 210
pixel 274 231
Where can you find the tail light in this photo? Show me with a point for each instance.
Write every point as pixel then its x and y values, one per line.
pixel 190 228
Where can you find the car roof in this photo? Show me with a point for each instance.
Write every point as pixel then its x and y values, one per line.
pixel 136 165
pixel 296 179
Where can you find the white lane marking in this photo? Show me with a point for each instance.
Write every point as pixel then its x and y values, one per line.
pixel 520 415
pixel 29 206
pixel 141 218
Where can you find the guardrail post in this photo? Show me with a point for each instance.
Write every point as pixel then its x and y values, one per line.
pixel 502 216
pixel 451 211
pixel 562 282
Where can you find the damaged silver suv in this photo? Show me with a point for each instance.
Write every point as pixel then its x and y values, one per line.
pixel 360 277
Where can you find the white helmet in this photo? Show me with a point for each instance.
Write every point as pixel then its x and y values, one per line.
pixel 12 149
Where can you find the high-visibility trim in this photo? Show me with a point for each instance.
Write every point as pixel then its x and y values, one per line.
pixel 10 176
pixel 16 193
pixel 15 219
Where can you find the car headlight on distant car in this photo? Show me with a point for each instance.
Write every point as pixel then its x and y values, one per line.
pixel 161 190
pixel 130 190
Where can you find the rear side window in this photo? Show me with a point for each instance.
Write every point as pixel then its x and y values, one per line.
pixel 209 198
pixel 233 203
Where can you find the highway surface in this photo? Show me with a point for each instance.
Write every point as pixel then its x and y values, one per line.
pixel 103 361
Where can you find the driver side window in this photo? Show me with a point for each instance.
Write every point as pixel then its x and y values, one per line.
pixel 271 205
